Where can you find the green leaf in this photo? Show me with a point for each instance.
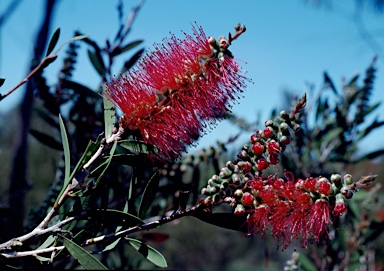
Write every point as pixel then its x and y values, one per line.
pixel 79 88
pixel 138 146
pixel 2 80
pixel 109 117
pixel 375 124
pixel 46 140
pixel 149 194
pixel 70 40
pixel 111 245
pixel 67 158
pixel 148 252
pixel 110 217
pixel 108 162
pixel 369 110
pixel 126 48
pixel 89 151
pixel 131 45
pixel 47 118
pixel 128 64
pixel 353 81
pixel 328 82
pixel 49 241
pixel 306 264
pixel 97 62
pixel 86 260
pixel 53 41
pixel 334 133
pixel 114 243
pixel 224 220
pixel 369 156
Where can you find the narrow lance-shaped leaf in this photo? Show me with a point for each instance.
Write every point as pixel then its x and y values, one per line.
pixel 369 110
pixel 369 156
pixel 332 135
pixel 109 117
pixel 79 88
pixel 224 220
pixel 2 80
pixel 375 124
pixel 67 158
pixel 148 252
pixel 46 140
pixel 110 217
pixel 118 228
pixel 47 118
pixel 97 62
pixel 70 40
pixel 149 194
pixel 86 260
pixel 128 64
pixel 328 82
pixel 126 48
pixel 306 264
pixel 89 151
pixel 111 152
pixel 53 41
pixel 138 146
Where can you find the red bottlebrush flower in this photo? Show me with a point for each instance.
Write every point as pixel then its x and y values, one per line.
pixel 292 212
pixel 319 219
pixel 177 91
pixel 268 196
pixel 339 209
pixel 262 163
pixel 258 149
pixel 258 222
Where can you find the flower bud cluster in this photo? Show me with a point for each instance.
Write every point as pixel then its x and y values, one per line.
pixel 289 207
pixel 267 145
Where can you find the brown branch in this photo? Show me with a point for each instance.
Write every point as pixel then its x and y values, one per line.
pixel 240 29
pixel 43 64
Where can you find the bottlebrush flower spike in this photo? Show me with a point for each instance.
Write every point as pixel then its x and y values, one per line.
pixel 178 90
pixel 290 207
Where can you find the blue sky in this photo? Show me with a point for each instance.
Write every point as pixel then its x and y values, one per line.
pixel 287 44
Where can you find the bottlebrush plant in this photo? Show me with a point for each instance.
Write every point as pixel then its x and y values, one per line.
pixel 117 191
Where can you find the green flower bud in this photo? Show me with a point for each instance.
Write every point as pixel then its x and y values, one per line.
pixel 348 179
pixel 238 193
pixel 336 179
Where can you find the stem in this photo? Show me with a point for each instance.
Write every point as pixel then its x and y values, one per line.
pixel 43 64
pixel 11 244
pixel 108 237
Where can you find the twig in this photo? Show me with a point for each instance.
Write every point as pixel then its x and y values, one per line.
pixel 11 244
pixel 145 227
pixel 129 22
pixel 43 64
pixel 240 29
pixel 32 252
